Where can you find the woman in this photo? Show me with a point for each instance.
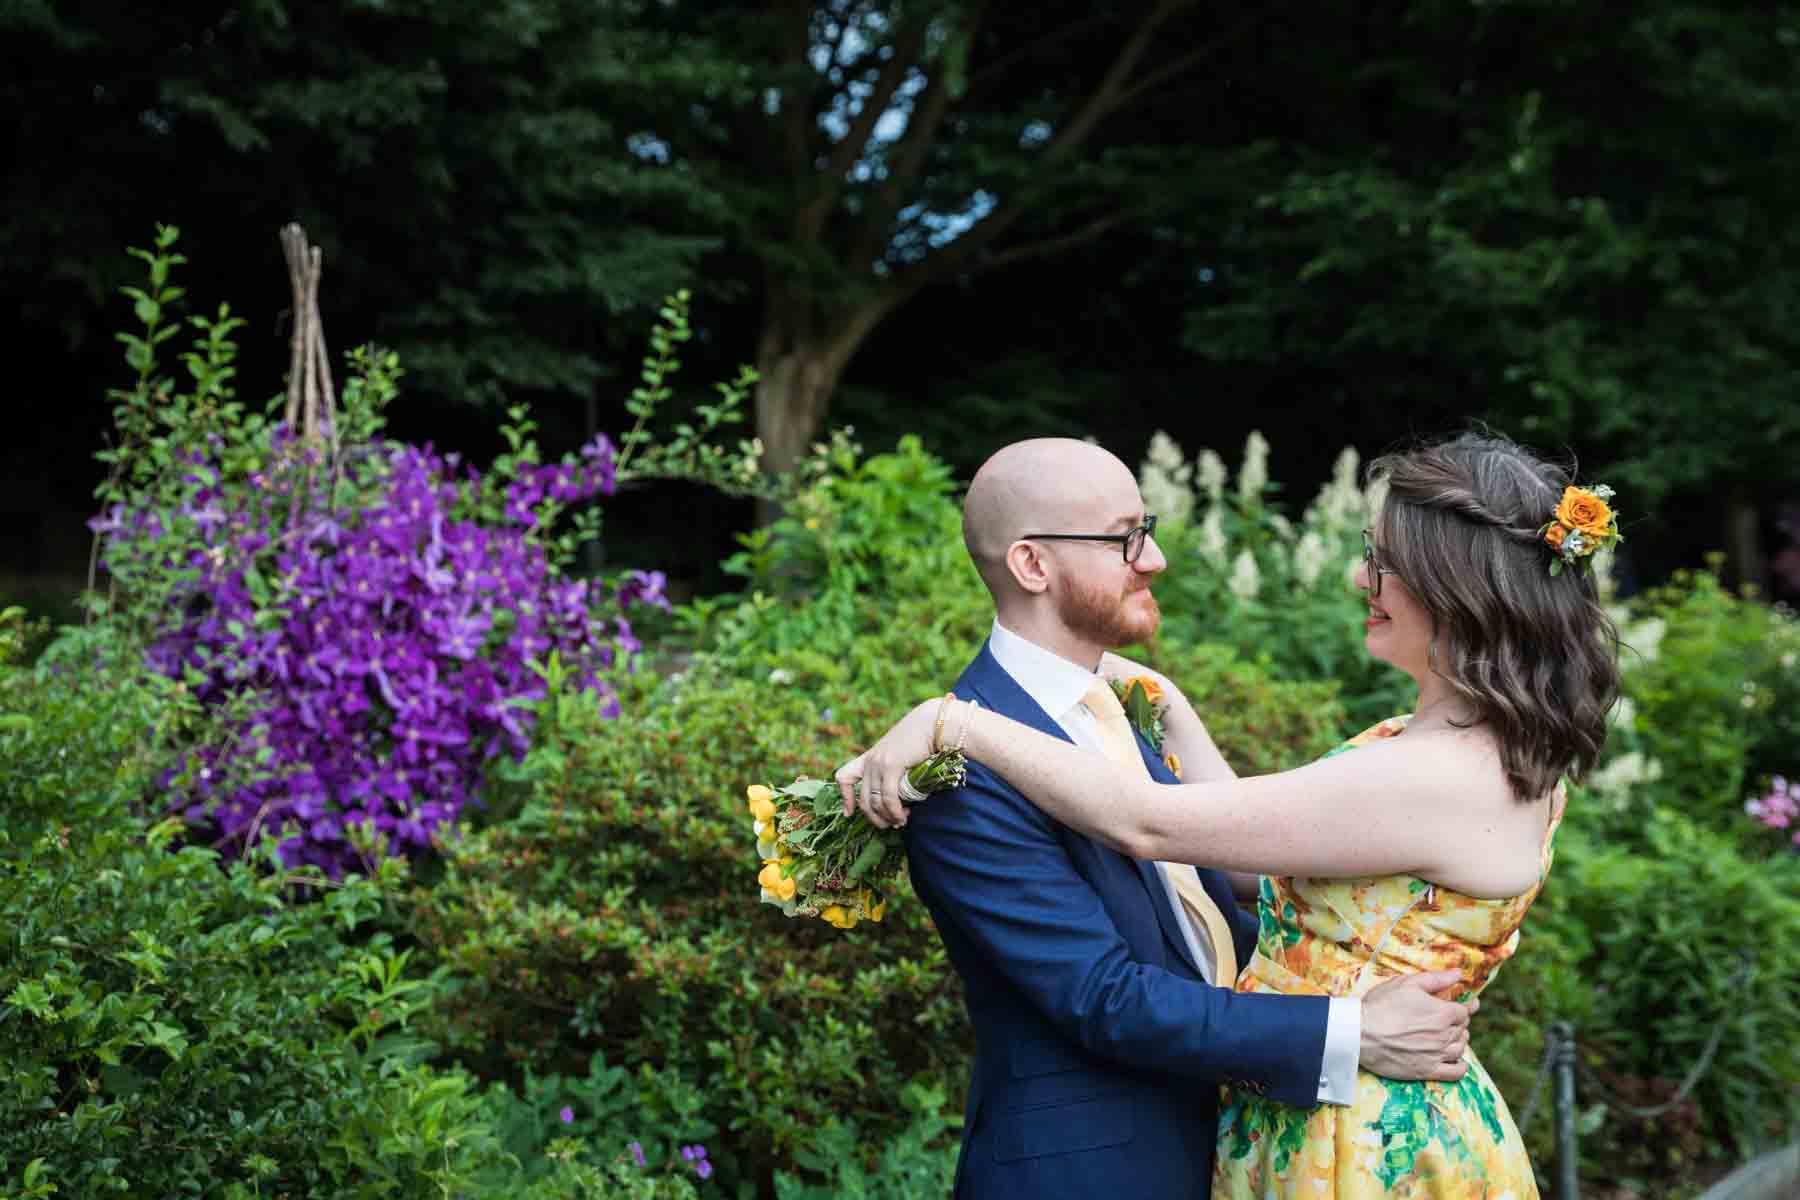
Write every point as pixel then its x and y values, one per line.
pixel 1420 851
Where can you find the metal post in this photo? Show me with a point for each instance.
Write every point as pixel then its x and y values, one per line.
pixel 1567 1187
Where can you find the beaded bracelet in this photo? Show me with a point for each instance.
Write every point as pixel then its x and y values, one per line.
pixel 968 718
pixel 937 732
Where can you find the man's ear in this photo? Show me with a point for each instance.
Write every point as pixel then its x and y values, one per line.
pixel 1027 567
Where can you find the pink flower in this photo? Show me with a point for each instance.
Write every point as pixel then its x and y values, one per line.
pixel 1779 808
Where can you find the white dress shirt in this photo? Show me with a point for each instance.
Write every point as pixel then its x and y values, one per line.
pixel 1057 685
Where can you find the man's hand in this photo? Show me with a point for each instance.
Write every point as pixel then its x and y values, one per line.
pixel 1408 1033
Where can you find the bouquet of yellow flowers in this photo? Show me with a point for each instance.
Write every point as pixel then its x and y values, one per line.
pixel 817 862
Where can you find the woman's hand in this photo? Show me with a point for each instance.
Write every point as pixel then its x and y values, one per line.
pixel 881 767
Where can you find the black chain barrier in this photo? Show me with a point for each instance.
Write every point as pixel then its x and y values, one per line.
pixel 1562 1062
pixel 1559 1039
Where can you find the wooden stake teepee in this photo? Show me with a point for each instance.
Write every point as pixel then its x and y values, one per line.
pixel 311 403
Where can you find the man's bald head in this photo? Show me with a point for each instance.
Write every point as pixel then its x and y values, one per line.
pixel 1042 485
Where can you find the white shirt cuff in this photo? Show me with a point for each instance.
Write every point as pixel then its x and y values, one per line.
pixel 1343 1051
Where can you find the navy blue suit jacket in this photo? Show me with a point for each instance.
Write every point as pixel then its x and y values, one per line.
pixel 1098 1046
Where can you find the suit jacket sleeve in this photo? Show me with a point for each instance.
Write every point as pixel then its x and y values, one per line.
pixel 997 867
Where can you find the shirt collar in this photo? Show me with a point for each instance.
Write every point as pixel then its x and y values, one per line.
pixel 1055 683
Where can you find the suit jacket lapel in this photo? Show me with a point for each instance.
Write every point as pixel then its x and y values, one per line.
pixel 990 683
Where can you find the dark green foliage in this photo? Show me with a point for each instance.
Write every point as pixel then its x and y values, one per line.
pixel 465 167
pixel 917 1163
pixel 617 912
pixel 1568 219
pixel 1660 936
pixel 173 1025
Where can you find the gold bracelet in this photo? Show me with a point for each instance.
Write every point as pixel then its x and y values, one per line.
pixel 937 732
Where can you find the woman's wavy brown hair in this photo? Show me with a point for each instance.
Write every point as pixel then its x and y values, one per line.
pixel 1534 656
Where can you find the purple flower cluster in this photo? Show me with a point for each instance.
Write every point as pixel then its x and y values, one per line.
pixel 696 1158
pixel 387 649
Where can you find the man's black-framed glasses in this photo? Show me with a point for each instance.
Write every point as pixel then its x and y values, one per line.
pixel 1131 542
pixel 1376 570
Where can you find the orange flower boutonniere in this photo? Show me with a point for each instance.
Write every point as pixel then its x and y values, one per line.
pixel 1142 699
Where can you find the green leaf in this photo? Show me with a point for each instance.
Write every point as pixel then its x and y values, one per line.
pixel 33 997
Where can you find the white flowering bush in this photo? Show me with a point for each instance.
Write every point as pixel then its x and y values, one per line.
pixel 1243 573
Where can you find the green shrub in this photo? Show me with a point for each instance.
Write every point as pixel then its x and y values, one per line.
pixel 868 544
pixel 919 1164
pixel 1641 950
pixel 1714 681
pixel 617 913
pixel 173 1025
pixel 610 1132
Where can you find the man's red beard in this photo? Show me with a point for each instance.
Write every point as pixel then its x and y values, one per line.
pixel 1107 618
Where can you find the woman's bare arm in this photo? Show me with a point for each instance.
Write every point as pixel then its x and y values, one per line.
pixel 1185 736
pixel 1379 811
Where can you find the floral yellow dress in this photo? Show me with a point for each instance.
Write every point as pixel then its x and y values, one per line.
pixel 1340 937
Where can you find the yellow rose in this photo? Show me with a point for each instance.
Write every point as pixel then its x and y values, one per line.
pixel 838 915
pixel 877 911
pixel 1152 689
pixel 785 889
pixel 770 876
pixel 762 808
pixel 1172 761
pixel 1581 509
pixel 759 794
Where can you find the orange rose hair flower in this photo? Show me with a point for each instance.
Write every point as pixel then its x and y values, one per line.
pixel 1584 524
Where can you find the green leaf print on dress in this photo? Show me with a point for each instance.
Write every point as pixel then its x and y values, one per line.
pixel 1406 1124
pixel 1283 1126
pixel 1477 1094
pixel 1277 923
pixel 1409 1122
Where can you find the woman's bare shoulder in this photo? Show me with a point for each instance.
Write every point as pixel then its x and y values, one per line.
pixel 1486 840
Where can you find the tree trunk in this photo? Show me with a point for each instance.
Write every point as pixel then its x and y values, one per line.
pixel 793 392
pixel 1743 541
pixel 798 369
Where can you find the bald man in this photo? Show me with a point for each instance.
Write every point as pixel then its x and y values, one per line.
pixel 1101 1031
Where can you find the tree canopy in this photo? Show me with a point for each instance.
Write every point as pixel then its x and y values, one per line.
pixel 1378 217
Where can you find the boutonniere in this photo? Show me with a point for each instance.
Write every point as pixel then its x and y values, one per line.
pixel 1142 699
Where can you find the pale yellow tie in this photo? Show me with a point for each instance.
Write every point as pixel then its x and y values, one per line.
pixel 1121 746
